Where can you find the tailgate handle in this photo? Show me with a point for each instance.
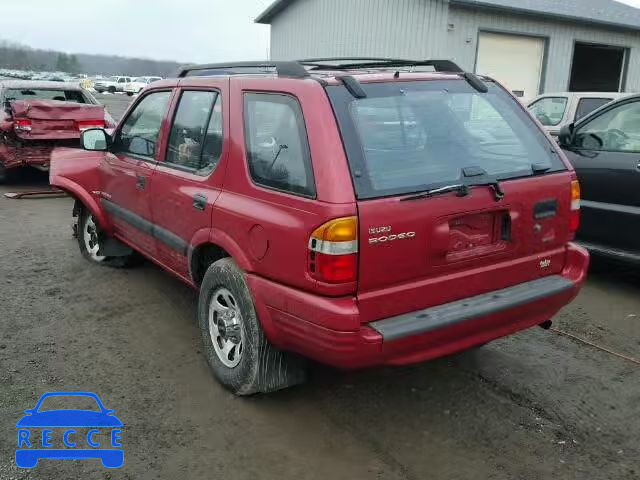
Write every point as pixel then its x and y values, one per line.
pixel 546 209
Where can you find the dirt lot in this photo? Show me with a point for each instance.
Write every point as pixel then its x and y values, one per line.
pixel 538 405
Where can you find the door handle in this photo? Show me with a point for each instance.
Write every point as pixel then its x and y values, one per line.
pixel 141 182
pixel 199 201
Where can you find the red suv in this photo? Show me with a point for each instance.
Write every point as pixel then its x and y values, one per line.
pixel 356 212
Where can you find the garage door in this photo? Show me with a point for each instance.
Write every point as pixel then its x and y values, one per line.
pixel 514 60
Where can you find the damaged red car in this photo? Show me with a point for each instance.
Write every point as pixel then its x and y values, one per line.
pixel 36 117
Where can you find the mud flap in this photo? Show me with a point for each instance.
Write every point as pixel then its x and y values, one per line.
pixel 110 247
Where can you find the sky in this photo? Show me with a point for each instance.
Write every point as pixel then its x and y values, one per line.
pixel 181 30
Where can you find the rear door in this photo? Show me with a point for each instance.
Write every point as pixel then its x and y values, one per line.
pixel 606 156
pixel 127 170
pixel 415 251
pixel 188 182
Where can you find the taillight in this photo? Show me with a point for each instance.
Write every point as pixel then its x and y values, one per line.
pixel 22 125
pixel 86 124
pixel 574 221
pixel 333 251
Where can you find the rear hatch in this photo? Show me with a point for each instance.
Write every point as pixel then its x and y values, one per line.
pixel 459 193
pixel 54 120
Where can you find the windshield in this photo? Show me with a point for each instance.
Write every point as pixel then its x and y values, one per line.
pixel 550 110
pixel 45 94
pixel 113 79
pixel 411 136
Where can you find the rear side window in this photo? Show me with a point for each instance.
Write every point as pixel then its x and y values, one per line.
pixel 549 110
pixel 588 105
pixel 140 131
pixel 195 142
pixel 276 142
pixel 409 137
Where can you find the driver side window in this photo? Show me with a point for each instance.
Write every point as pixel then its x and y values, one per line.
pixel 140 131
pixel 617 130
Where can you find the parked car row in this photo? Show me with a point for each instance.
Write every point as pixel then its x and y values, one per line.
pixel 128 85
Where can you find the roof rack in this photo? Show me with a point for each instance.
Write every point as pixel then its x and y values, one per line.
pixel 282 69
pixel 356 63
pixel 302 68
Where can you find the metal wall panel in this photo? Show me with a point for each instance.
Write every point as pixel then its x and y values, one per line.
pixel 432 29
pixel 561 36
pixel 389 28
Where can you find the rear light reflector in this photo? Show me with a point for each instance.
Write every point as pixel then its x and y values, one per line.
pixel 574 221
pixel 87 124
pixel 333 251
pixel 22 125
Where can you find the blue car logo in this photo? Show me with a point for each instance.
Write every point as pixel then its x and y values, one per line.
pixel 86 433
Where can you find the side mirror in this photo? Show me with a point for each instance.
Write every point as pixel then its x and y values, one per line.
pixel 565 138
pixel 95 140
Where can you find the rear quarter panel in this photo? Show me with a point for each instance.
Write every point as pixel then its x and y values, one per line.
pixel 271 227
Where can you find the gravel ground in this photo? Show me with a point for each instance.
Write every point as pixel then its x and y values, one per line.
pixel 537 405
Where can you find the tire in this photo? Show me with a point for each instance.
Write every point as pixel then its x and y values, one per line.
pixel 111 89
pixel 226 315
pixel 89 234
pixel 130 94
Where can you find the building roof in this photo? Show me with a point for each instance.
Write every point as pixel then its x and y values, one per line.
pixel 601 12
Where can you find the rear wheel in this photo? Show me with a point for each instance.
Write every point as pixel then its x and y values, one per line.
pixel 91 237
pixel 238 352
pixel 130 94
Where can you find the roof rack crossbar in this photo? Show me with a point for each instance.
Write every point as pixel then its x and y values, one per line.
pixel 282 69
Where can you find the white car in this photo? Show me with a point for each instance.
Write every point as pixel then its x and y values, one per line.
pixel 137 84
pixel 554 110
pixel 112 84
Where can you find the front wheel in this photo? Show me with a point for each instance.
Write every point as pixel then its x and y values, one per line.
pixel 238 352
pixel 130 94
pixel 112 89
pixel 90 238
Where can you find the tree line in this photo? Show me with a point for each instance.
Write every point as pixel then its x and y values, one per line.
pixel 19 57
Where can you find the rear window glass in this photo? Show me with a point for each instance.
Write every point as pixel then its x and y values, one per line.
pixel 588 105
pixel 45 94
pixel 549 110
pixel 408 137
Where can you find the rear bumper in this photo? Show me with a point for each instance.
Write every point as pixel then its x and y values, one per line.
pixel 329 330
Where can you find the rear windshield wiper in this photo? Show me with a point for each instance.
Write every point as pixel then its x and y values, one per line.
pixel 494 184
pixel 476 171
pixel 461 189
